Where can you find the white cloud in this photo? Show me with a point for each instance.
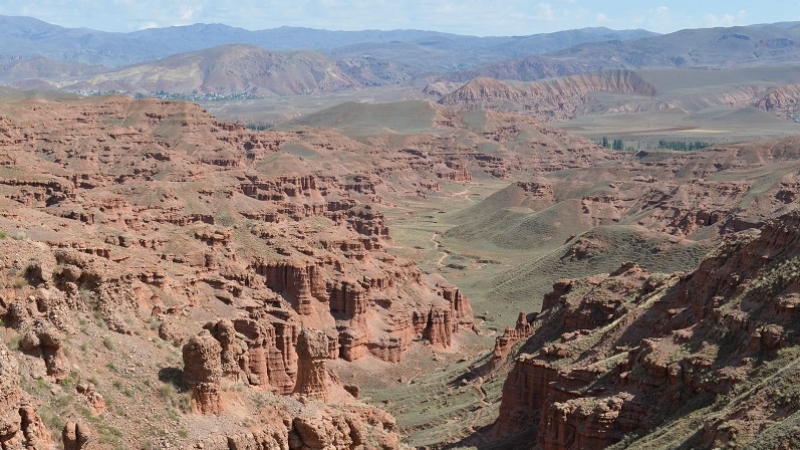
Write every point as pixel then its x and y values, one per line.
pixel 546 12
pixel 725 20
pixel 601 17
pixel 187 13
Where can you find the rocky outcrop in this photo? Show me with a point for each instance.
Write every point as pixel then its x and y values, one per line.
pixel 561 99
pixel 441 321
pixel 76 436
pixel 202 372
pixel 233 349
pixel 211 356
pixel 261 352
pixel 782 100
pixel 593 424
pixel 276 437
pixel 438 327
pixel 312 426
pixel 43 339
pixel 630 336
pixel 264 364
pixel 312 376
pixel 97 403
pixel 297 282
pixel 21 427
pixel 504 343
pixel 536 391
pixel 454 171
pixel 354 345
pixel 367 221
pixel 460 308
pixel 317 431
pixel 349 301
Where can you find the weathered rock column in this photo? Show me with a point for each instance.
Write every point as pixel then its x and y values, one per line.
pixel 202 372
pixel 76 436
pixel 312 376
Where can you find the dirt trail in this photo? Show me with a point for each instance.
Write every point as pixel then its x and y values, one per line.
pixel 436 246
pixel 465 193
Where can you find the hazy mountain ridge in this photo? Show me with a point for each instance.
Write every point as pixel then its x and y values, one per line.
pixel 705 47
pixel 44 56
pixel 24 37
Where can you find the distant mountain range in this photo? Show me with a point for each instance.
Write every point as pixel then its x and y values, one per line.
pixel 219 59
pixel 25 37
pixel 705 47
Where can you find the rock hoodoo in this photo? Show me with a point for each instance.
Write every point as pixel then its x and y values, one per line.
pixel 20 425
pixel 76 436
pixel 202 372
pixel 312 376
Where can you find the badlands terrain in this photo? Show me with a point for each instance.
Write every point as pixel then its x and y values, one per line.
pixel 357 240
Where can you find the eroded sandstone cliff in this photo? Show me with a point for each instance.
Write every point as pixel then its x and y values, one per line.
pixel 615 357
pixel 557 100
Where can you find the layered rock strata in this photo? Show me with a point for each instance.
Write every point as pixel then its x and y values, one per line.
pixel 631 337
pixel 557 100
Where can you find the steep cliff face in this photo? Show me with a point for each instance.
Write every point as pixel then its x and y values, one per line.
pixel 263 363
pixel 604 348
pixel 558 100
pixel 299 283
pixel 316 289
pixel 235 350
pixel 260 351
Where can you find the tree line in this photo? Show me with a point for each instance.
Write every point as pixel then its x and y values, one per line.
pixel 683 146
pixel 619 144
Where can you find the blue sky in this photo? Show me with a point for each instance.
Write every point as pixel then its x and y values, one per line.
pixel 476 17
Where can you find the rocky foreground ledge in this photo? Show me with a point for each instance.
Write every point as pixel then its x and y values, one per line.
pixel 707 358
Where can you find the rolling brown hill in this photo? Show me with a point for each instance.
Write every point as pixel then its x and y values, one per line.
pixel 225 70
